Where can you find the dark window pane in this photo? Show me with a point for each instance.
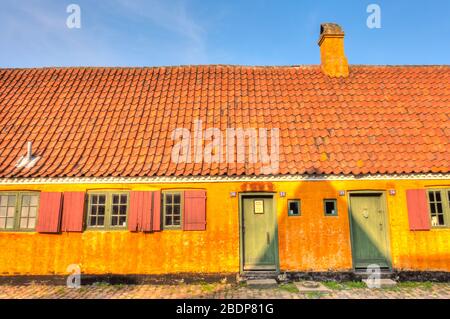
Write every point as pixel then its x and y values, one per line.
pixel 294 208
pixel 438 196
pixel 115 221
pixel 439 208
pixel 176 220
pixel 330 207
pixel 168 220
pixel 94 199
pixel 433 209
pixel 101 199
pixel 169 210
pixel 115 199
pixel 176 209
pixel 123 199
pixel 100 221
pixel 93 221
pixel 177 199
pixel 123 210
pixel 101 210
pixel 115 209
pixel 122 220
pixel 169 198
pixel 441 219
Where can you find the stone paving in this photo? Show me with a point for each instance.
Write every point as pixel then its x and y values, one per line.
pixel 223 291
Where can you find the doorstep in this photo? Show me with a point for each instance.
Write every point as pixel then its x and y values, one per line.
pixel 262 283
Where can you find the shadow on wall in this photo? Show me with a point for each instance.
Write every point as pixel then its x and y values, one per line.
pixel 313 240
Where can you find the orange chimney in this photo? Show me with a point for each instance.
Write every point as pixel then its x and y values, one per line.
pixel 333 60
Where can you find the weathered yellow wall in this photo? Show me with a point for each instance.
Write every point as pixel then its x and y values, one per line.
pixel 311 242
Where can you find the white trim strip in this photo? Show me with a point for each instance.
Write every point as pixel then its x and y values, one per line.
pixel 216 179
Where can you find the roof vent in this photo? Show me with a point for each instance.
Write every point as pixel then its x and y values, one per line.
pixel 333 60
pixel 28 160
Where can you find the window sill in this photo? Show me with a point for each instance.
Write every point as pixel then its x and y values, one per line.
pixel 440 228
pixel 16 231
pixel 94 229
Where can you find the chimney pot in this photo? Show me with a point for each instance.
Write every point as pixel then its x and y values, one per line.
pixel 334 63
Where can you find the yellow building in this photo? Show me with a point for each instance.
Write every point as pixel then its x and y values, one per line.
pixel 225 169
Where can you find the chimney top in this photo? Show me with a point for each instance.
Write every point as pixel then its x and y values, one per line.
pixel 333 60
pixel 331 28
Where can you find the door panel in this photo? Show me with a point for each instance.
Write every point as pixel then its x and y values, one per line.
pixel 369 236
pixel 259 242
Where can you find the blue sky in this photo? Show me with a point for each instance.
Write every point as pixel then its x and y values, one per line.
pixel 253 32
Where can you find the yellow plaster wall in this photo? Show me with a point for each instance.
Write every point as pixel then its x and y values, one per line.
pixel 311 242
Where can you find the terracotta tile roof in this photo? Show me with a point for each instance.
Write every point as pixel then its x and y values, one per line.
pixel 118 121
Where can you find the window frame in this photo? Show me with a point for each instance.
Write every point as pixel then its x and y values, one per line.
pixel 163 209
pixel 18 210
pixel 445 200
pixel 108 210
pixel 299 201
pixel 333 200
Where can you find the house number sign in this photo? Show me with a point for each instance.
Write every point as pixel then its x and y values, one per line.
pixel 259 206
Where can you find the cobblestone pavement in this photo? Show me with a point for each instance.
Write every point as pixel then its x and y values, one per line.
pixel 222 291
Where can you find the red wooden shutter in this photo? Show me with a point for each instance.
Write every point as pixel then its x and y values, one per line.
pixel 139 217
pixel 418 213
pixel 49 212
pixel 73 212
pixel 194 210
pixel 156 214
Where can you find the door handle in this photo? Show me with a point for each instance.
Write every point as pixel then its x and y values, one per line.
pixel 268 238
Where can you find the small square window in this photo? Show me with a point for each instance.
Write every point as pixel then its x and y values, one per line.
pixel 439 210
pixel 294 207
pixel 172 210
pixel 330 207
pixel 107 210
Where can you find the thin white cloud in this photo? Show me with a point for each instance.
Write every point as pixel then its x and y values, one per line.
pixel 174 17
pixel 34 33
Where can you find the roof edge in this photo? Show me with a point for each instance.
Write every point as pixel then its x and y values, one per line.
pixel 216 179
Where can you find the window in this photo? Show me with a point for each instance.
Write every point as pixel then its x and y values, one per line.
pixel 108 210
pixel 330 207
pixel 18 211
pixel 172 209
pixel 439 203
pixel 294 207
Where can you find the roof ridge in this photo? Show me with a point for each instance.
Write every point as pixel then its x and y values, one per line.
pixel 305 66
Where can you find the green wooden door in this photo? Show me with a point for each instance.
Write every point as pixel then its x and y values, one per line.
pixel 259 234
pixel 369 236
